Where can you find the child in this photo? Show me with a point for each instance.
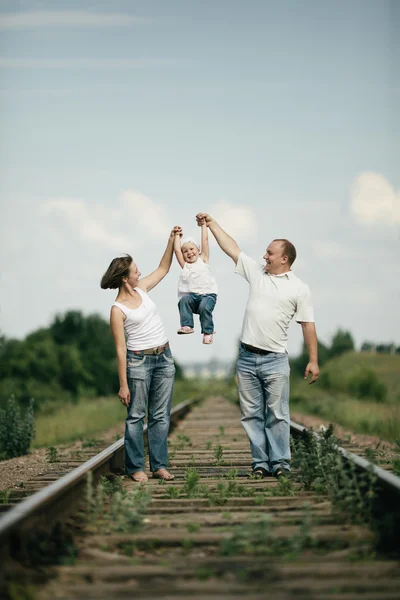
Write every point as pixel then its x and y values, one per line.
pixel 197 289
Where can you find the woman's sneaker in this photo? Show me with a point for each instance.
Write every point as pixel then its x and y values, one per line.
pixel 208 338
pixel 185 329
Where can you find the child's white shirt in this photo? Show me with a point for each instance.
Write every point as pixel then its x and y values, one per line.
pixel 196 278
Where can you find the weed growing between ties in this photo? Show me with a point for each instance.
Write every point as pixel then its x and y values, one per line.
pixel 231 474
pixel 114 508
pixel 258 539
pixel 230 489
pixel 183 440
pixel 227 488
pixel 219 455
pixel 191 485
pixel 91 442
pixel 52 454
pixel 5 496
pixel 172 493
pixel 76 455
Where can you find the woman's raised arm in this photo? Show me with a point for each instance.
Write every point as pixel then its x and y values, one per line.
pixel 150 281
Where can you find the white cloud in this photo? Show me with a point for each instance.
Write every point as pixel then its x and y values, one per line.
pixel 84 63
pixel 152 218
pixel 136 217
pixel 326 249
pixel 35 19
pixel 373 200
pixel 239 221
pixel 91 225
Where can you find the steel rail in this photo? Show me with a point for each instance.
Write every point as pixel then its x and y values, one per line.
pixel 48 497
pixel 388 480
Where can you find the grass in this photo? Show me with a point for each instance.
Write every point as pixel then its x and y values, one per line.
pixel 76 421
pixel 385 366
pixel 93 416
pixel 332 399
pixel 360 416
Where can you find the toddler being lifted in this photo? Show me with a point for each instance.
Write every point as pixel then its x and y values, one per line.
pixel 197 288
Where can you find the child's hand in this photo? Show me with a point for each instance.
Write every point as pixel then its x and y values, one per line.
pixel 177 231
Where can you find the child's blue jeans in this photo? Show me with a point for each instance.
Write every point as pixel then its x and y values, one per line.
pixel 199 304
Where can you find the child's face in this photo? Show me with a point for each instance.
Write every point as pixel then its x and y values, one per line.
pixel 190 252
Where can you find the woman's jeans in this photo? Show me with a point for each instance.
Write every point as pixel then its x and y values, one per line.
pixel 263 385
pixel 151 382
pixel 199 304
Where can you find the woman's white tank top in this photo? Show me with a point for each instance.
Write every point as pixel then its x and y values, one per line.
pixel 196 278
pixel 143 325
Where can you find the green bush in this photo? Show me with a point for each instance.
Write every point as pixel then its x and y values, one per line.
pixel 325 381
pixel 366 384
pixel 16 433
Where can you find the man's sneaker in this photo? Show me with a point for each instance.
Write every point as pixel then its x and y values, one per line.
pixel 280 472
pixel 185 329
pixel 208 338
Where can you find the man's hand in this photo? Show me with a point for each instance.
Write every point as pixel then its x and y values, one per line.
pixel 124 395
pixel 177 230
pixel 312 368
pixel 202 218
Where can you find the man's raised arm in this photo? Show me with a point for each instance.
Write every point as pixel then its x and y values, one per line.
pixel 225 242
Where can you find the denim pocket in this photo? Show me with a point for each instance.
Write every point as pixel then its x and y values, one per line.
pixel 168 356
pixel 133 365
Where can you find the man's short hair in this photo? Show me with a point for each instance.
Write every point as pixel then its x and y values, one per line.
pixel 288 250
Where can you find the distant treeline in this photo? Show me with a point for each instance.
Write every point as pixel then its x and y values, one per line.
pixel 73 357
pixel 381 348
pixel 342 342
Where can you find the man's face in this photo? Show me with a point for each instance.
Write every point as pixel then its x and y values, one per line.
pixel 190 252
pixel 275 260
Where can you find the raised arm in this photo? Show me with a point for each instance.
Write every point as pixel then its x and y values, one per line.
pixel 205 249
pixel 311 342
pixel 224 241
pixel 117 329
pixel 150 281
pixel 177 250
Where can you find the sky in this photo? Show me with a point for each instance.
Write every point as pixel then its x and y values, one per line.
pixel 120 120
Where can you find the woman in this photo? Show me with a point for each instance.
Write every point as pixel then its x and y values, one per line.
pixel 145 365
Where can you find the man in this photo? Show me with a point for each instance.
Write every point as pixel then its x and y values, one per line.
pixel 275 296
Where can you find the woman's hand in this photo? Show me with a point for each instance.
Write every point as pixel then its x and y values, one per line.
pixel 124 395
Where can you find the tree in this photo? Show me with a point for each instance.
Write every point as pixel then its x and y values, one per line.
pixel 342 342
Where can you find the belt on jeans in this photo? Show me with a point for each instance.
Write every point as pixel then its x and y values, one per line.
pixel 256 350
pixel 157 350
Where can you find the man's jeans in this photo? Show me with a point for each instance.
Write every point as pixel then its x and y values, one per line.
pixel 151 382
pixel 199 304
pixel 263 384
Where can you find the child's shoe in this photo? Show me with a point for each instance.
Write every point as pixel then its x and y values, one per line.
pixel 208 338
pixel 185 329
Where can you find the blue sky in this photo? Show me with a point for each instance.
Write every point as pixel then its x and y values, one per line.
pixel 120 120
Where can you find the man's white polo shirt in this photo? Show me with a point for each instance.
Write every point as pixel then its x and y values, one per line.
pixel 273 301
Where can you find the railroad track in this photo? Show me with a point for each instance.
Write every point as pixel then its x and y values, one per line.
pixel 211 533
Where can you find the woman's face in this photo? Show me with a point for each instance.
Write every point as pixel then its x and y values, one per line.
pixel 134 275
